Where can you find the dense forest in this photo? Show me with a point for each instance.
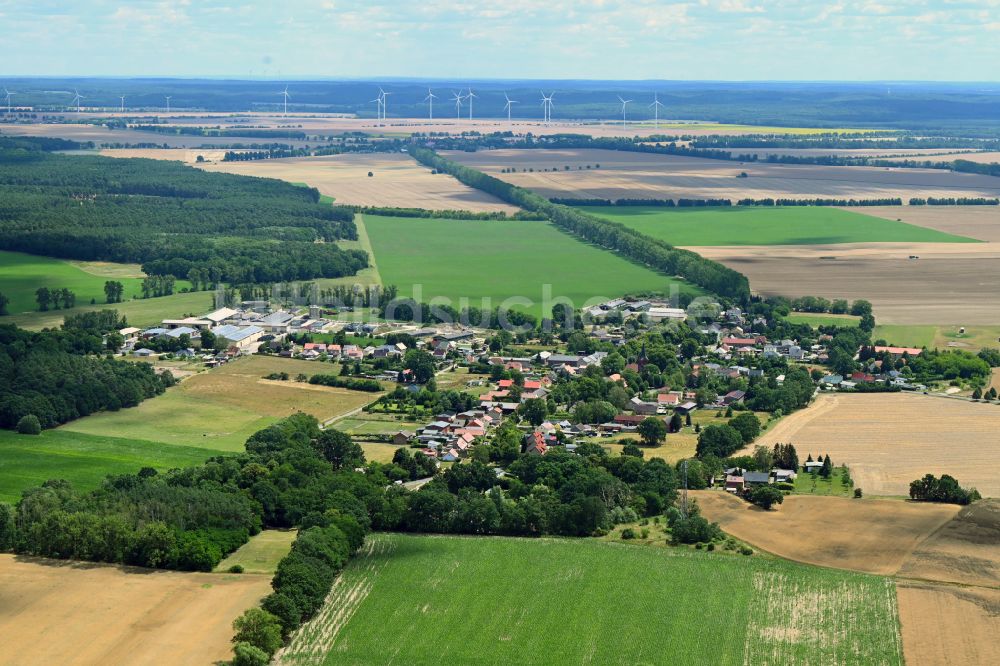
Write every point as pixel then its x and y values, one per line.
pixel 57 376
pixel 170 218
pixel 661 256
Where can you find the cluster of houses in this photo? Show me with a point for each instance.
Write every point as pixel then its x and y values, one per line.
pixel 739 481
pixel 450 436
pixel 874 373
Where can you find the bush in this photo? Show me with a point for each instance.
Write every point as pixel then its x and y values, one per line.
pixel 695 529
pixel 746 551
pixel 29 425
pixel 711 546
pixel 857 493
pixel 245 654
pixel 236 569
pixel 766 496
pixel 259 629
pixel 628 533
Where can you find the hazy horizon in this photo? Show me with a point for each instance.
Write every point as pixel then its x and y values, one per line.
pixel 597 40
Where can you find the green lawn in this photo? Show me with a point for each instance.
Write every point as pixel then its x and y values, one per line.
pixel 807 484
pixel 480 259
pixel 822 319
pixel 84 460
pixel 467 600
pixel 142 312
pixel 261 553
pixel 794 225
pixel 902 335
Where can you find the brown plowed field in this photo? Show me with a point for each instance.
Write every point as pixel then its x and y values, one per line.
pixel 979 222
pixel 639 175
pixel 870 535
pixel 55 612
pixel 950 283
pixel 890 439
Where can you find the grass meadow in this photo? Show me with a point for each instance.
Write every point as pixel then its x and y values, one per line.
pixel 793 225
pixel 479 259
pixel 822 319
pixel 219 409
pixel 141 312
pixel 261 554
pixel 467 600
pixel 21 274
pixel 936 336
pixel 82 459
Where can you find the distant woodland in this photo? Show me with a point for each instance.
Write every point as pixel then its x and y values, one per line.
pixel 169 217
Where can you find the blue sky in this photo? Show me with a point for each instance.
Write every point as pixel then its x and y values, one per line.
pixel 945 40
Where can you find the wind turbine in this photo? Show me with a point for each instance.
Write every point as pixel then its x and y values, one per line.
pixel 625 103
pixel 656 109
pixel 508 105
pixel 76 100
pixel 378 109
pixel 547 106
pixel 385 102
pixel 168 104
pixel 123 103
pixel 9 96
pixel 430 99
pixel 286 96
pixel 469 97
pixel 457 98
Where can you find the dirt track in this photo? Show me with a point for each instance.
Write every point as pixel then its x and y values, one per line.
pixel 55 612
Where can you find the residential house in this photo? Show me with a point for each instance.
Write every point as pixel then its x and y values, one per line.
pixel 402 437
pixel 533 443
pixel 757 478
pixel 640 407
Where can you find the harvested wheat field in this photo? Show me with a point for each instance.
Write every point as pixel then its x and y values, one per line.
pixel 948 625
pixel 950 283
pixel 870 535
pixel 979 222
pixel 890 439
pixel 187 155
pixel 397 181
pixel 56 612
pixel 639 175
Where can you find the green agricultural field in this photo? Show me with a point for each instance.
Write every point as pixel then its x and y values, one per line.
pixel 821 319
pixel 83 460
pixel 794 225
pixel 479 259
pixel 467 600
pixel 261 554
pixel 140 312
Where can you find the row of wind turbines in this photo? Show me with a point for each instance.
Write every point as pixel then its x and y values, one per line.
pixel 78 98
pixel 460 97
pixel 382 101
